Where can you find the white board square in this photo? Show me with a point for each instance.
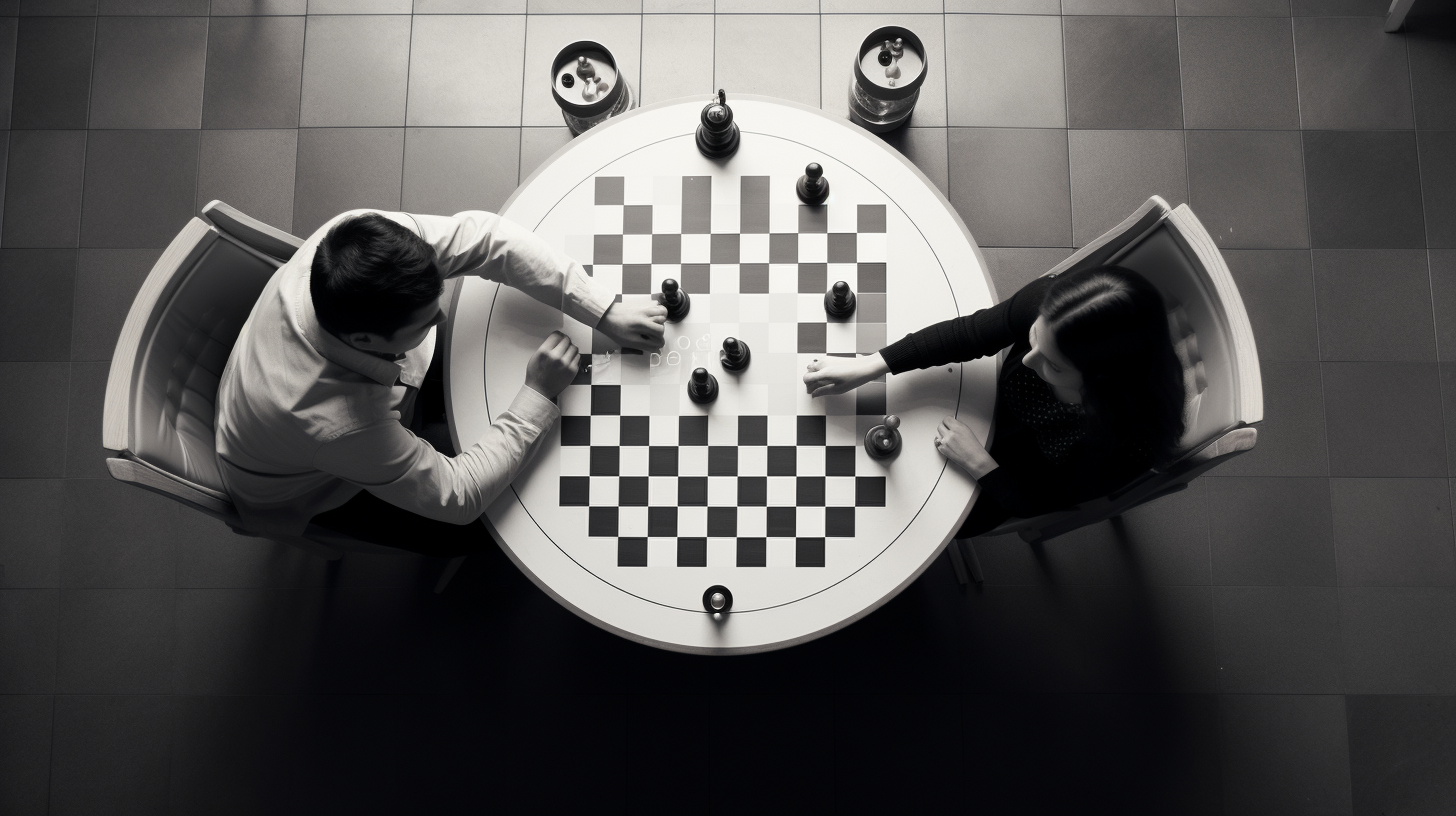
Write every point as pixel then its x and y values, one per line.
pixel 723 428
pixel 753 399
pixel 839 491
pixel 810 460
pixel 602 491
pixel 637 190
pixel 606 369
pixel 692 460
pixel 633 461
pixel 697 248
pixel 753 248
pixel 666 218
pixel 636 249
pixel 607 219
pixel 783 307
pixel 574 401
pixel 579 248
pixel 840 428
pixel 809 308
pixel 783 338
pixel 606 430
pixel 841 338
pixel 662 553
pixel 842 217
pixel 782 553
pixel 692 522
pixel 608 276
pixel 784 400
pixel 722 552
pixel 752 461
pixel 752 522
pixel 662 429
pixel 634 372
pixel 783 278
pixel 813 247
pixel 783 429
pixel 632 522
pixel 809 522
pixel 575 460
pixel 873 247
pixel 637 399
pixel 723 490
pixel 847 272
pixel 662 491
pixel 667 191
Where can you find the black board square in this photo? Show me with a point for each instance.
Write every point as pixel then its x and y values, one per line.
pixel 696 279
pixel 637 219
pixel 635 430
pixel 605 460
pixel 813 338
pixel 661 521
pixel 602 521
pixel 753 279
pixel 813 278
pixel 575 491
pixel 661 461
pixel 752 430
pixel 871 277
pixel 692 552
pixel 781 522
pixel 723 248
pixel 843 247
pixel 583 371
pixel 722 522
pixel 752 552
pixel 783 247
pixel 576 430
pixel 871 218
pixel 839 460
pixel 812 430
pixel 752 491
pixel 606 249
pixel 667 248
pixel 637 279
pixel 809 492
pixel 869 399
pixel 783 461
pixel 631 552
pixel 692 430
pixel 723 460
pixel 632 491
pixel 692 491
pixel 869 491
pixel 813 219
pixel 809 552
pixel 870 308
pixel 606 400
pixel 611 189
pixel 839 522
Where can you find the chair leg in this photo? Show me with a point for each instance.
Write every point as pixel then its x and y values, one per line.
pixel 448 573
pixel 973 562
pixel 953 549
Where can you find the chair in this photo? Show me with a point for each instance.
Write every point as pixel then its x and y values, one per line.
pixel 162 388
pixel 1214 342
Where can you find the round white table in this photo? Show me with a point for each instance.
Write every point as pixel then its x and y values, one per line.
pixel 639 499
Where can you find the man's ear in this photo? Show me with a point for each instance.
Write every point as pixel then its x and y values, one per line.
pixel 363 340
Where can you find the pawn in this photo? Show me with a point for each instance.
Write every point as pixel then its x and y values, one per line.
pixel 584 68
pixel 676 301
pixel 897 48
pixel 735 355
pixel 839 301
pixel 813 188
pixel 717 135
pixel 883 441
pixel 702 387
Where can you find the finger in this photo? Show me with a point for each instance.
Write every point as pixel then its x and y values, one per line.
pixel 826 391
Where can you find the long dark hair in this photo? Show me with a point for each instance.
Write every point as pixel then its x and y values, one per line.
pixel 1112 325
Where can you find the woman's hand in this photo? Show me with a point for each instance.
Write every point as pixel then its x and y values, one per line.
pixel 827 376
pixel 957 442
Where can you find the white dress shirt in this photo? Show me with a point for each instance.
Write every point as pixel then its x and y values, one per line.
pixel 305 421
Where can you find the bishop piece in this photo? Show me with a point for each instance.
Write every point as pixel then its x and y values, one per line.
pixel 735 355
pixel 839 301
pixel 717 135
pixel 676 300
pixel 702 387
pixel 813 188
pixel 883 441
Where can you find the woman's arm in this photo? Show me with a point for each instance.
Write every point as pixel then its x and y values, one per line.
pixel 827 376
pixel 976 335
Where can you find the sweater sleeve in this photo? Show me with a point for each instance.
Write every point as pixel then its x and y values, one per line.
pixel 973 336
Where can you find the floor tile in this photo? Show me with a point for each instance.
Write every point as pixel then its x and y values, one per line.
pixel 1122 72
pixel 8 37
pixel 25 755
pixel 1384 419
pixel 116 641
pixel 345 168
pixel 35 304
pixel 355 71
pixel 53 72
pixel 539 144
pixel 766 7
pixel 1338 8
pixel 1284 754
pixel 747 57
pixel 1013 268
pixel 116 536
pixel 1247 188
pixel 1448 401
pixel 1278 640
pixel 668 6
pixel 359 6
pixel 1401 753
pixel 154 7
pixel 43 188
pixel 28 639
pixel 247 641
pixel 1012 187
pixel 588 7
pixel 1238 72
pixel 1433 79
pixel 254 67
pixel 140 187
pixel 1374 304
pixel 1364 190
pixel 454 83
pixel 246 8
pixel 1115 171
pixel 546 35
pixel 673 64
pixel 30 533
pixel 1443 294
pixel 85 458
pixel 110 754
pixel 33 421
pixel 841 35
pixel 1352 75
pixel 237 754
pixel 1003 6
pixel 1271 532
pixel 1232 8
pixel 1293 438
pixel 928 149
pixel 107 281
pixel 1277 287
pixel 1004 71
pixel 1117 7
pixel 880 7
pixel 1393 532
pixel 251 170
pixel 4 165
pixel 149 72
pixel 1399 640
pixel 51 8
pixel 1438 186
pixel 929 729
pixel 447 170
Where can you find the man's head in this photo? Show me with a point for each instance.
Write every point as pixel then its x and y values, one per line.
pixel 375 285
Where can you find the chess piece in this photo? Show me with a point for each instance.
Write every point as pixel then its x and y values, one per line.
pixel 813 188
pixel 589 91
pixel 584 68
pixel 717 600
pixel 676 301
pixel 735 355
pixel 839 301
pixel 702 387
pixel 897 48
pixel 717 135
pixel 883 441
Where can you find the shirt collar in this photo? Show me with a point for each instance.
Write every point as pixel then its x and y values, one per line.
pixel 378 369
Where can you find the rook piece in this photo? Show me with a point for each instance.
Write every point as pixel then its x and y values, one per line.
pixel 676 301
pixel 717 135
pixel 703 387
pixel 717 600
pixel 883 441
pixel 735 355
pixel 839 301
pixel 813 188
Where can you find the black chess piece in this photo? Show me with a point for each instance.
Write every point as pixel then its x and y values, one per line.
pixel 717 600
pixel 676 300
pixel 883 441
pixel 735 355
pixel 717 135
pixel 839 301
pixel 702 386
pixel 813 188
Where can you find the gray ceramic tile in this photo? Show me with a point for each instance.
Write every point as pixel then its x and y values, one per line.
pixel 1364 190
pixel 148 72
pixel 1399 640
pixel 53 72
pixel 883 716
pixel 841 35
pixel 1277 287
pixel 8 26
pixel 1352 75
pixel 1247 188
pixel 345 168
pixel 355 71
pixel 676 6
pixel 247 8
pixel 673 64
pixel 251 170
pixel 1271 532
pixel 1448 402
pixel 546 35
pixel 1122 72
pixel 1338 8
pixel 1374 304
pixel 927 148
pixel 1393 532
pixel 4 165
pixel 359 6
pixel 33 420
pixel 586 7
pixel 116 641
pixel 1164 7
pixel 447 170
pixel 1384 419
pixel 28 637
pixel 1012 187
pixel 1012 269
pixel 43 188
pixel 766 7
pixel 539 144
pixel 1115 171
pixel 154 7
pixel 455 83
pixel 1004 71
pixel 881 7
pixel 240 753
pixel 1278 640
pixel 85 458
pixel 1433 79
pixel 25 755
pixel 1292 438
pixel 110 754
pixel 58 8
pixel 1438 186
pixel 1401 753
pixel 35 304
pixel 117 536
pixel 476 7
pixel 107 281
pixel 1238 72
pixel 30 533
pixel 747 57
pixel 254 67
pixel 1003 6
pixel 140 187
pixel 1443 294
pixel 1284 754
pixel 1233 8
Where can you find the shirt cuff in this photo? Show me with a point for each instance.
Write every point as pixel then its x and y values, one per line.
pixel 584 298
pixel 534 408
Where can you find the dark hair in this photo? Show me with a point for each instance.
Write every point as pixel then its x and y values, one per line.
pixel 1112 325
pixel 371 274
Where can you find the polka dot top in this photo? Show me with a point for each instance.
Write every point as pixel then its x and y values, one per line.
pixel 1057 425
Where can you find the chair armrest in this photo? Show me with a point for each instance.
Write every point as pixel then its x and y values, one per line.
pixel 251 232
pixel 149 477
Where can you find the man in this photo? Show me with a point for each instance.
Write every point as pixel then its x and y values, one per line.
pixel 315 407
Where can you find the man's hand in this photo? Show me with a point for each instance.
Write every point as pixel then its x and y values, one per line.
pixel 637 325
pixel 553 366
pixel 828 376
pixel 957 442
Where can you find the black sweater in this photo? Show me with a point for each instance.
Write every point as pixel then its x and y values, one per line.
pixel 1025 482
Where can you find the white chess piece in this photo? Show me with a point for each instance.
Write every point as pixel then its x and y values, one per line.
pixel 589 91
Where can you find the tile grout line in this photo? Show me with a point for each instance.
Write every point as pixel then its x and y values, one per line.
pixel 298 130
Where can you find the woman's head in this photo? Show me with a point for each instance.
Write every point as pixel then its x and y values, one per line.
pixel 1108 336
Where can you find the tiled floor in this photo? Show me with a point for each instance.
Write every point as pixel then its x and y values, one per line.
pixel 1281 638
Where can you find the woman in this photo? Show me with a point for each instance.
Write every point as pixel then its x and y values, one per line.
pixel 1090 395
